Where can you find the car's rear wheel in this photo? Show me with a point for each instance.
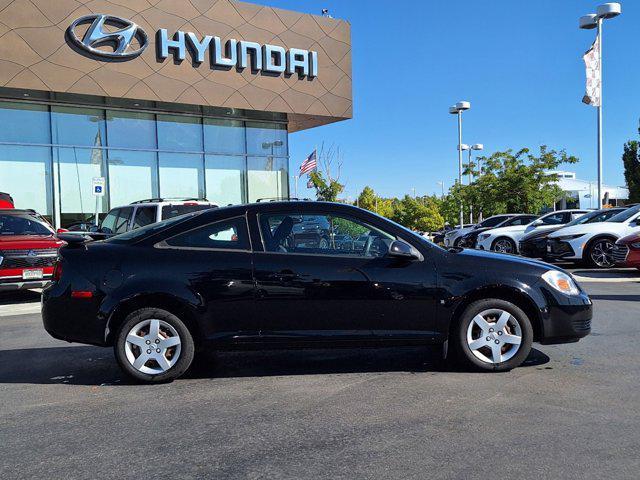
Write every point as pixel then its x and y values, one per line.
pixel 504 245
pixel 600 253
pixel 154 346
pixel 493 335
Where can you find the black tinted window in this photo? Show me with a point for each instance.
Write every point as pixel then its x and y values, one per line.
pixel 170 211
pixel 144 216
pixel 227 234
pixel 492 222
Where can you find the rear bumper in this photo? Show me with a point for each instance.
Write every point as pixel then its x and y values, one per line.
pixel 22 284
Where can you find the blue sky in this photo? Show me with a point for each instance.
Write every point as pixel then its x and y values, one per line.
pixel 518 63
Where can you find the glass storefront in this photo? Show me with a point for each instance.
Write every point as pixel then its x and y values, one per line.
pixel 49 155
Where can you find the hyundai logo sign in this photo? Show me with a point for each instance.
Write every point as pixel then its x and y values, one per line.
pixel 239 54
pixel 98 35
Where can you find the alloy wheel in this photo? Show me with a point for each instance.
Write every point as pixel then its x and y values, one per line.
pixel 152 346
pixel 503 246
pixel 494 336
pixel 602 254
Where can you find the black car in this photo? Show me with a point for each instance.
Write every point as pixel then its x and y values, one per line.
pixel 234 278
pixel 508 220
pixel 534 245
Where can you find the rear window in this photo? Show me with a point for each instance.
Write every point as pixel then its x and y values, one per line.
pixel 170 211
pixel 23 225
pixel 625 215
pixel 139 233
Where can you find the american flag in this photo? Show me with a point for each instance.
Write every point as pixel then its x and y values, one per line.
pixel 310 164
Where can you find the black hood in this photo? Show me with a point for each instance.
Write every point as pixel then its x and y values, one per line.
pixel 492 261
pixel 545 234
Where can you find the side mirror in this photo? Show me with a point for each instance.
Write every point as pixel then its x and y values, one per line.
pixel 399 249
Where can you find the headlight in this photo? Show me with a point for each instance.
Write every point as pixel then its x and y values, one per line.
pixel 570 237
pixel 633 245
pixel 484 236
pixel 561 282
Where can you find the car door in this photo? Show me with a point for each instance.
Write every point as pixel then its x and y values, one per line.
pixel 309 289
pixel 216 261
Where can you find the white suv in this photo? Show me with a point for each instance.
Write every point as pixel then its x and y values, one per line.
pixel 506 239
pixel 593 242
pixel 145 212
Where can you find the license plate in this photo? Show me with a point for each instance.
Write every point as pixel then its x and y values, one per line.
pixel 549 248
pixel 32 274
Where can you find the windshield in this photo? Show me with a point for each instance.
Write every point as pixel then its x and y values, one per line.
pixel 625 215
pixel 595 217
pixel 138 233
pixel 22 225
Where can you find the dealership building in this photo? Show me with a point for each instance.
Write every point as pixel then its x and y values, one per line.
pixel 172 98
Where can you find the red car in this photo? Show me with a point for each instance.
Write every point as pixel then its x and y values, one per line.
pixel 28 250
pixel 626 251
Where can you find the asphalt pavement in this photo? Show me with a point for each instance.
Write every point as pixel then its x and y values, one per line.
pixel 572 412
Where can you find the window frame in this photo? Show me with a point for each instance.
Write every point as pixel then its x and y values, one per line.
pixel 164 245
pixel 353 218
pixel 142 207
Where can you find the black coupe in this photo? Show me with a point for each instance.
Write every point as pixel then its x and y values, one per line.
pixel 247 277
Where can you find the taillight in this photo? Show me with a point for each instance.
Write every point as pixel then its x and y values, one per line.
pixel 57 270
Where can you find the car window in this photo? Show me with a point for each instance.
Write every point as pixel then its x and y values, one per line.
pixel 625 215
pixel 144 216
pixel 23 225
pixel 170 211
pixel 519 221
pixel 325 234
pixel 555 219
pixel 491 222
pixel 122 221
pixel 227 234
pixel 108 224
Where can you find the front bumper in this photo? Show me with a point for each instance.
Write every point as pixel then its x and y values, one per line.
pixel 536 248
pixel 566 318
pixel 558 249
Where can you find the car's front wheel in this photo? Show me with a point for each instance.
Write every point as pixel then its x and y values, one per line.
pixel 600 253
pixel 504 245
pixel 493 334
pixel 154 346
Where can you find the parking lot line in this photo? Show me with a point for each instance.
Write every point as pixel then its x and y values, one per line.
pixel 19 309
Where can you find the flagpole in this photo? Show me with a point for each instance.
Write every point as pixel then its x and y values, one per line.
pixel 296 177
pixel 600 116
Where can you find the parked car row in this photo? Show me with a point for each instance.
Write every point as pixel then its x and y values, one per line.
pixel 599 238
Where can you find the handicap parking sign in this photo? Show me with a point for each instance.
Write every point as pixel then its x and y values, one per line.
pixel 98 184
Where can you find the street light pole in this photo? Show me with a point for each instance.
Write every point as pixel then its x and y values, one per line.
pixel 588 22
pixel 457 109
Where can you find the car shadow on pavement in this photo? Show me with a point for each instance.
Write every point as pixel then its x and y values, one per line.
pixel 20 296
pixel 95 366
pixel 616 298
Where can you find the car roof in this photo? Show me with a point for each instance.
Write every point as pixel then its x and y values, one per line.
pixel 18 211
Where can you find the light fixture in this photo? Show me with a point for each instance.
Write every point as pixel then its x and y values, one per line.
pixel 464 146
pixel 588 22
pixel 609 10
pixel 462 106
pixel 477 146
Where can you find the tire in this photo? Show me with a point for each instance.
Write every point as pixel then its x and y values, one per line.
pixel 456 242
pixel 599 253
pixel 173 340
pixel 504 245
pixel 493 353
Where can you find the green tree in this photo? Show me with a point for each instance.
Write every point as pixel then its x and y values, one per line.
pixel 326 183
pixel 372 202
pixel 511 182
pixel 418 213
pixel 631 161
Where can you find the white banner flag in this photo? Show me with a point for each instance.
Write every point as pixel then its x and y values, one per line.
pixel 592 63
